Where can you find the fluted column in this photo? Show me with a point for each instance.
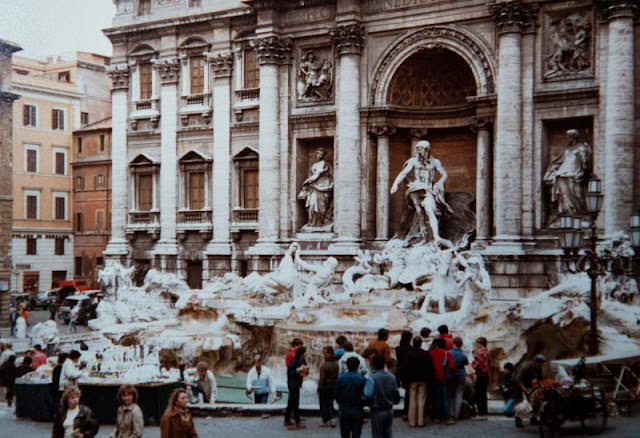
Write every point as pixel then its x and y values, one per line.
pixel 349 41
pixel 119 75
pixel 511 19
pixel 619 114
pixel 168 71
pixel 382 134
pixel 481 126
pixel 221 65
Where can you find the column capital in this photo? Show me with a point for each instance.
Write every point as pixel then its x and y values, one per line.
pixel 513 16
pixel 168 69
pixel 119 75
pixel 480 122
pixel 382 130
pixel 348 39
pixel 611 9
pixel 272 49
pixel 418 132
pixel 221 64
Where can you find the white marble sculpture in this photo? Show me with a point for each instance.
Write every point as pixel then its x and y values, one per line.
pixel 314 78
pixel 321 276
pixel 317 192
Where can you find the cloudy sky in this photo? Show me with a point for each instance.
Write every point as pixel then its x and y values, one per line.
pixel 56 27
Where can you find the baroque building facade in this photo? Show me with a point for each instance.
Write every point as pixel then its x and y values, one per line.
pixel 240 126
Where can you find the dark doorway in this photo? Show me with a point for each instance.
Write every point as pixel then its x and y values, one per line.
pixel 194 274
pixel 57 276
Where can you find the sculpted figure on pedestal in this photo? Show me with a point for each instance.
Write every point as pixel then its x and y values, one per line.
pixel 314 78
pixel 317 192
pixel 425 195
pixel 567 175
pixel 321 275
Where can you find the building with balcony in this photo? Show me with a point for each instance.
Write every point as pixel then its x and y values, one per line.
pixel 222 108
pixel 58 96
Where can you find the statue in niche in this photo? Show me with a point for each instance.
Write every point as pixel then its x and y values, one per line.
pixel 567 175
pixel 425 196
pixel 570 51
pixel 317 192
pixel 315 78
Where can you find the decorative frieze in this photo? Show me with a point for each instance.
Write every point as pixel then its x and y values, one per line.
pixel 512 16
pixel 272 49
pixel 119 75
pixel 610 9
pixel 168 70
pixel 348 39
pixel 221 64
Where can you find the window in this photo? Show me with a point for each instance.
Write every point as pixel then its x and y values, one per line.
pixel 31 205
pixel 144 7
pixel 78 266
pixel 60 161
pixel 250 188
pixel 196 190
pixel 101 142
pixel 100 221
pixel 79 183
pixel 30 158
pixel 145 192
pixel 251 69
pixel 99 182
pixel 64 76
pixel 60 206
pixel 32 246
pixel 99 261
pixel 145 81
pixel 29 115
pixel 84 118
pixel 57 119
pixel 79 145
pixel 59 246
pixel 196 66
pixel 79 223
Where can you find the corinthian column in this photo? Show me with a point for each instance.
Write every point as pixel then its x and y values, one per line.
pixel 221 65
pixel 619 114
pixel 168 71
pixel 119 75
pixel 382 134
pixel 349 41
pixel 511 19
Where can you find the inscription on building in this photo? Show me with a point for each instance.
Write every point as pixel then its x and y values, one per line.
pixel 387 5
pixel 308 15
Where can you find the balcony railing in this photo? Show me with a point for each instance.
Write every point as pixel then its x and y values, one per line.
pixel 247 97
pixel 144 217
pixel 194 217
pixel 245 215
pixel 145 104
pixel 195 100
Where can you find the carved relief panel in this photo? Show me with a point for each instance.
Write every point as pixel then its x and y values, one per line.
pixel 568 45
pixel 314 76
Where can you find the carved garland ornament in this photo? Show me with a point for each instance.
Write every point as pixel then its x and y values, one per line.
pixel 272 49
pixel 119 75
pixel 348 39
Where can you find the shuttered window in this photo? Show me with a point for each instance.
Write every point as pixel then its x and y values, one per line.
pixel 251 69
pixel 79 222
pixel 250 189
pixel 99 221
pixel 60 156
pixel 60 208
pixel 196 190
pixel 32 160
pixel 57 119
pixel 29 115
pixel 145 192
pixel 32 246
pixel 145 80
pixel 59 247
pixel 196 65
pixel 32 207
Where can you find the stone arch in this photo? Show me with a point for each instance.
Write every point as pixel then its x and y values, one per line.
pixel 192 42
pixel 462 42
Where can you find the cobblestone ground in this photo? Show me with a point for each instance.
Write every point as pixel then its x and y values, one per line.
pixel 271 427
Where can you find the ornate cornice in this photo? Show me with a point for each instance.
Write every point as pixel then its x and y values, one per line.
pixel 513 16
pixel 221 64
pixel 382 130
pixel 168 70
pixel 272 49
pixel 119 75
pixel 348 39
pixel 610 9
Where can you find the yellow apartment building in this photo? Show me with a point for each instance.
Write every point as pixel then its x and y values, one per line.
pixel 57 96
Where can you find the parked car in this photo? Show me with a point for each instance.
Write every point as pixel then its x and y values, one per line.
pixel 84 304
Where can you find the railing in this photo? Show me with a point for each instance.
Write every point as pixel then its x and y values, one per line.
pixel 248 94
pixel 195 100
pixel 245 215
pixel 144 217
pixel 194 216
pixel 143 105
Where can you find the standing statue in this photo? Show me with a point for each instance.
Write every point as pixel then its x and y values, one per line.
pixel 567 175
pixel 317 192
pixel 424 195
pixel 314 78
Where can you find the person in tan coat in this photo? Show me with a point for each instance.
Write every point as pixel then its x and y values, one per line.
pixel 130 421
pixel 177 421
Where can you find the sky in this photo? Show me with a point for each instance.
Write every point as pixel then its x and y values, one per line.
pixel 56 27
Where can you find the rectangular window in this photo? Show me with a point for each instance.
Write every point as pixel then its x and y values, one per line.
pixel 29 115
pixel 59 246
pixel 32 160
pixel 32 207
pixel 79 145
pixel 57 119
pixel 250 189
pixel 78 266
pixel 101 142
pixel 99 221
pixel 99 183
pixel 64 76
pixel 145 80
pixel 32 246
pixel 99 261
pixel 60 208
pixel 145 192
pixel 79 183
pixel 60 163
pixel 144 7
pixel 196 66
pixel 251 69
pixel 84 118
pixel 79 223
pixel 196 190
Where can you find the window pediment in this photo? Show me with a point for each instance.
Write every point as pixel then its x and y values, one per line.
pixel 193 157
pixel 247 154
pixel 143 160
pixel 143 51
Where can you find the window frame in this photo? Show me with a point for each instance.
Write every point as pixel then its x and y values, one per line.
pixel 84 118
pixel 36 194
pixel 145 63
pixel 99 228
pixel 102 142
pixel 79 182
pixel 58 123
pixel 202 76
pixel 99 182
pixel 60 195
pixel 243 184
pixel 31 147
pixel 59 150
pixel 58 246
pixel 33 121
pixel 34 250
pixel 78 225
pixel 138 191
pixel 144 8
pixel 79 145
pixel 244 68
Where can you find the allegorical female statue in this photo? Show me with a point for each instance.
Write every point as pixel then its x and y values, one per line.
pixel 567 176
pixel 317 192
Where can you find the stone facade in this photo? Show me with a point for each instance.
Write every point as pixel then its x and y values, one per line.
pixel 7 97
pixel 489 85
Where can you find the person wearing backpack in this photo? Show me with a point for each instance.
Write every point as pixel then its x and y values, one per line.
pixel 444 368
pixel 381 390
pixel 482 365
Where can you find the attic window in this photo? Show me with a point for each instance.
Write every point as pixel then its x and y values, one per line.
pixel 64 76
